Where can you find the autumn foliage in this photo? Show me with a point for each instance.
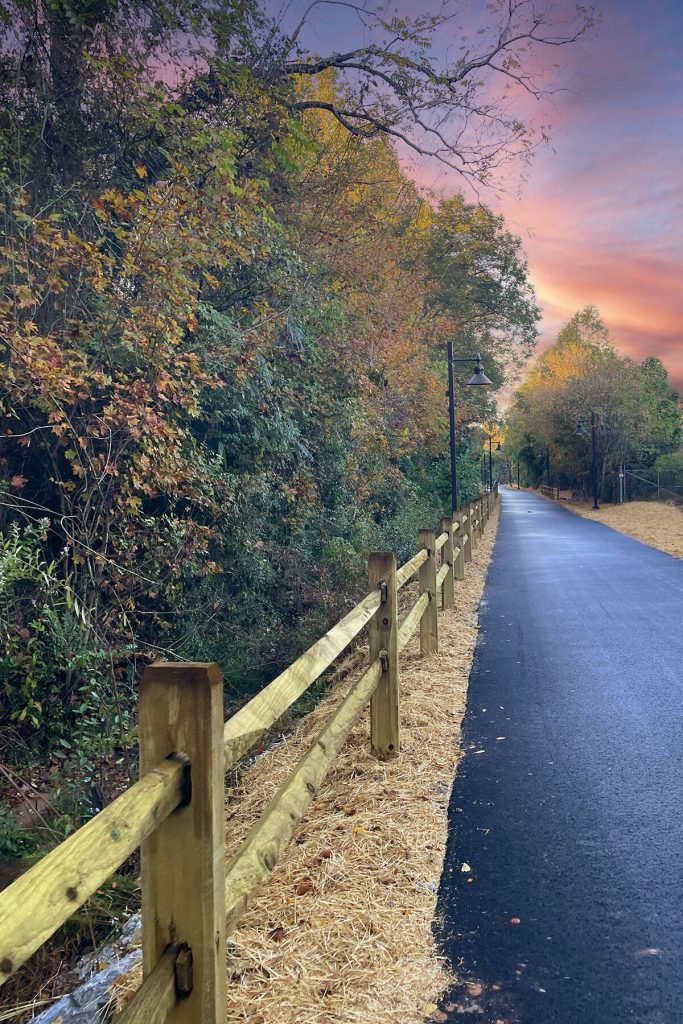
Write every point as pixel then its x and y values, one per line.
pixel 222 327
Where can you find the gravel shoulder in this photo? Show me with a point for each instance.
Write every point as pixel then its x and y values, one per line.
pixel 651 522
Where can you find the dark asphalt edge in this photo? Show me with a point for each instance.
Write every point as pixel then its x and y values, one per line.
pixel 457 991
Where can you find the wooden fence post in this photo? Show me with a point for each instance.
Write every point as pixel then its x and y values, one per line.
pixel 385 725
pixel 466 528
pixel 447 588
pixel 183 861
pixel 474 529
pixel 429 629
pixel 459 559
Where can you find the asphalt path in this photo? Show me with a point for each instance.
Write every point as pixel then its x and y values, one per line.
pixel 562 896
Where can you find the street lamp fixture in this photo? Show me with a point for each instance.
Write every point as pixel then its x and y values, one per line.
pixel 582 432
pixel 478 379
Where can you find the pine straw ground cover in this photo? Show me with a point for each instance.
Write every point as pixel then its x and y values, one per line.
pixel 652 522
pixel 342 932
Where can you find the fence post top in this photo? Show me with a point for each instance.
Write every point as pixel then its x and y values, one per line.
pixel 385 556
pixel 192 671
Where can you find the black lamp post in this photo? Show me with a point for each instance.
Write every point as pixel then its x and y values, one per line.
pixel 491 460
pixel 581 430
pixel 478 378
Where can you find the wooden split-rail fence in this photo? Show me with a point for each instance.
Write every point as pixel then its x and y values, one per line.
pixel 192 898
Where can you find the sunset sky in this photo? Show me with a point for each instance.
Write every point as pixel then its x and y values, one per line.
pixel 601 214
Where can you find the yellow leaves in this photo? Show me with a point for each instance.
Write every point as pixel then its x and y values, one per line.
pixel 140 171
pixel 24 296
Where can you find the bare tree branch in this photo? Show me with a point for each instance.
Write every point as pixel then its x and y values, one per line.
pixel 457 111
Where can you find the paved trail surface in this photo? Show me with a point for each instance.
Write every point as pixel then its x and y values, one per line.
pixel 568 806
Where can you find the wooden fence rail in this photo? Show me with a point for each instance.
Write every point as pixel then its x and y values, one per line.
pixel 175 813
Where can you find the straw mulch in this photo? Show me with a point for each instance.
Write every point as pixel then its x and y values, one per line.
pixel 652 522
pixel 342 930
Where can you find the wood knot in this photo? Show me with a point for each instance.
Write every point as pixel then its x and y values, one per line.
pixel 71 893
pixel 269 860
pixel 6 965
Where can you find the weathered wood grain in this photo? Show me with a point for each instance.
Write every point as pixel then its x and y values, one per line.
pixel 408 570
pixel 429 628
pixel 42 899
pixel 383 636
pixel 442 576
pixel 156 997
pixel 447 588
pixel 412 621
pixel 183 861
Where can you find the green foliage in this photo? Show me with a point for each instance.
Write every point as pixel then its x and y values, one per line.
pixel 15 842
pixel 34 602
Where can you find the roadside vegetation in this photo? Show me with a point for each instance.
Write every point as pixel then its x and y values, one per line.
pixel 636 411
